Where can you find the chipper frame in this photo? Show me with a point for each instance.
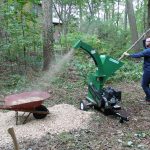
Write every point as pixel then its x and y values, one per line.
pixel 105 99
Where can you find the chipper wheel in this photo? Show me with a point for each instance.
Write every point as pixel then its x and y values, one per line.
pixel 84 105
pixel 44 111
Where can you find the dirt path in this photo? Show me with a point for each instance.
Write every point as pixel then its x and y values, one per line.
pixel 106 132
pixel 73 131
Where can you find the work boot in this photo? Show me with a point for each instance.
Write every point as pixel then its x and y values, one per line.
pixel 147 98
pixel 147 102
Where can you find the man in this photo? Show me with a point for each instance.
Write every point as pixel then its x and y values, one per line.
pixel 146 68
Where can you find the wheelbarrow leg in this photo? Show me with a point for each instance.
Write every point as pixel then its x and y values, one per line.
pixel 26 118
pixel 16 117
pixel 22 116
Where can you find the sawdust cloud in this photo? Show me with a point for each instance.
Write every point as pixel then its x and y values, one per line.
pixel 44 82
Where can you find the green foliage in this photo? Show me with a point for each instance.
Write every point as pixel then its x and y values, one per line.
pixel 107 45
pixel 65 137
pixel 141 10
pixel 83 63
pixel 72 38
pixel 15 80
pixel 114 39
pixel 23 34
pixel 21 43
pixel 130 71
pixel 105 37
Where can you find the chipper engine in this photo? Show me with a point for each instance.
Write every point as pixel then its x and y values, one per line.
pixel 104 99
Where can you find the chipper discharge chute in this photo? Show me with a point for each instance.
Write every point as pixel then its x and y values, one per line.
pixel 106 99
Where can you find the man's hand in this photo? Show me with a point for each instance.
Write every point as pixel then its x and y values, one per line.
pixel 126 54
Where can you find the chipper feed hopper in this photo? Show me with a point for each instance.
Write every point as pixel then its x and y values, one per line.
pixel 105 99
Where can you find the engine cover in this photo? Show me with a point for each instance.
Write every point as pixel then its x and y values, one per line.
pixel 111 97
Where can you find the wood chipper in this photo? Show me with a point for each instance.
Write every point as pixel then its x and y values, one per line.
pixel 105 99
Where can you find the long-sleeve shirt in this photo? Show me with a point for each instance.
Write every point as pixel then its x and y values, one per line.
pixel 146 54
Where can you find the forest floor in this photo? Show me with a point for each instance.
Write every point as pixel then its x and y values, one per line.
pixel 103 132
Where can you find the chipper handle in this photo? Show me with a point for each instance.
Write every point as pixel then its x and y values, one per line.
pixel 12 133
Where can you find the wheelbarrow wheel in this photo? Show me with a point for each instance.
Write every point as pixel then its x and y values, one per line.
pixel 84 105
pixel 42 109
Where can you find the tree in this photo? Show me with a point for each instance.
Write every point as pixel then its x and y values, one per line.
pixel 132 23
pixel 125 17
pixel 48 55
pixel 64 12
pixel 148 18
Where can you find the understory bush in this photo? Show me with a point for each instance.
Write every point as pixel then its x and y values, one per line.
pixel 130 71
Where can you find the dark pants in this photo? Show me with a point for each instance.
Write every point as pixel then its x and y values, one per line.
pixel 146 83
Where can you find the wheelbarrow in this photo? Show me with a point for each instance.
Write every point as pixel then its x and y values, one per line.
pixel 30 102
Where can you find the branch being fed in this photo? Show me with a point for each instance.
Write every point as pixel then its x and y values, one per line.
pixel 134 43
pixel 12 133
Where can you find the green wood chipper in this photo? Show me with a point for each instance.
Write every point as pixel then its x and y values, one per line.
pixel 105 99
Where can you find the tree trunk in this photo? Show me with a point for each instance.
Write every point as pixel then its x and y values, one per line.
pixel 24 46
pixel 80 14
pixel 125 18
pixel 64 15
pixel 132 23
pixel 113 10
pixel 91 9
pixel 145 15
pixel 65 22
pixel 148 17
pixel 106 12
pixel 118 15
pixel 48 55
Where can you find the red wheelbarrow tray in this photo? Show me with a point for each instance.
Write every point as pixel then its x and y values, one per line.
pixel 26 101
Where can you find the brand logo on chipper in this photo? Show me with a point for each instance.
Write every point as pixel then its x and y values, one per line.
pixel 113 60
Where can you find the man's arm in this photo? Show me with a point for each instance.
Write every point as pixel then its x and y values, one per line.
pixel 137 55
pixel 143 53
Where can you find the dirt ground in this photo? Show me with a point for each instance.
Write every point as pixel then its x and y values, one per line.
pixel 103 132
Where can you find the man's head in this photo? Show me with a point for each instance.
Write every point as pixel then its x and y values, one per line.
pixel 147 42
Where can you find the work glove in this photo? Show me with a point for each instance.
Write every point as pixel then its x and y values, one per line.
pixel 126 54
